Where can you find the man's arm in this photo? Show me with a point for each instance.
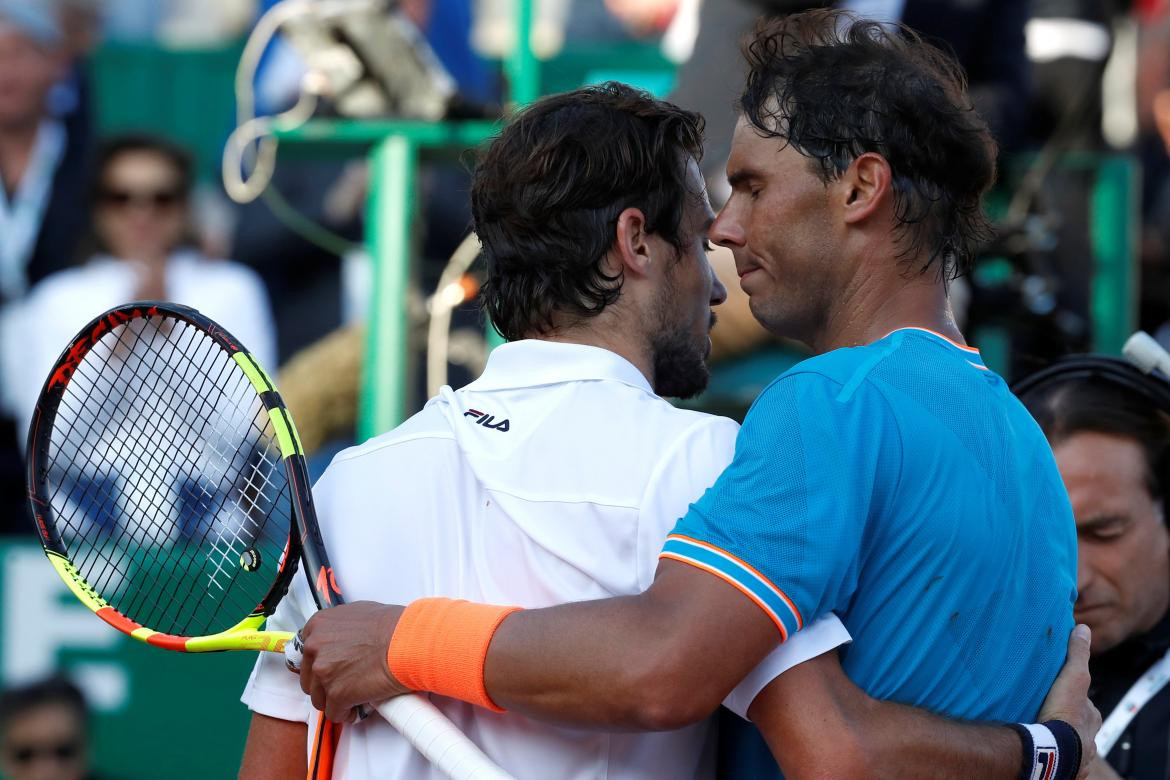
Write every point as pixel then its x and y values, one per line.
pixel 817 723
pixel 275 749
pixel 666 658
pixel 668 646
pixel 660 660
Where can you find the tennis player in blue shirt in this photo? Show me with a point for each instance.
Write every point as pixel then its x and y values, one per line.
pixel 891 479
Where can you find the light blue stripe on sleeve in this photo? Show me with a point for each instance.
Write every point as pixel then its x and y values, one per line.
pixel 728 568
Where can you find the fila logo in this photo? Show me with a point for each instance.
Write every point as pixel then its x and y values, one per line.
pixel 1045 766
pixel 487 421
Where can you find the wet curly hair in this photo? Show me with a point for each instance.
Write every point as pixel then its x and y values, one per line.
pixel 835 87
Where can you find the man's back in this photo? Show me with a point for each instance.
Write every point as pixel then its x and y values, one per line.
pixel 904 488
pixel 924 507
pixel 978 524
pixel 553 478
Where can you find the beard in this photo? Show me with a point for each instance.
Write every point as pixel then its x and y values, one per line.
pixel 678 358
pixel 680 366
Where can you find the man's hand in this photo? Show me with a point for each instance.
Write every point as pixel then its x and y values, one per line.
pixel 1102 771
pixel 344 663
pixel 1068 699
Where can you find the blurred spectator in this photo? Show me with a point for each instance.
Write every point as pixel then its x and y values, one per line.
pixel 42 190
pixel 141 229
pixel 70 98
pixel 302 278
pixel 494 33
pixel 644 17
pixel 1112 446
pixel 42 174
pixel 44 730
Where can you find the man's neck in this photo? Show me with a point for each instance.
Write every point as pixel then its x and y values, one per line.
pixel 16 148
pixel 602 333
pixel 869 310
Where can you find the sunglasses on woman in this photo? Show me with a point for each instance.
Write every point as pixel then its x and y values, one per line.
pixel 156 199
pixel 23 755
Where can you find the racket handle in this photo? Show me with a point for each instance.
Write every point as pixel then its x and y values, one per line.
pixel 429 730
pixel 439 740
pixel 294 653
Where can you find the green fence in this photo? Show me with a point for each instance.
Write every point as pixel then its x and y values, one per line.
pixel 187 96
pixel 156 713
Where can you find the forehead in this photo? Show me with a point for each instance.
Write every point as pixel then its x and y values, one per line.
pixel 697 208
pixel 46 717
pixel 137 164
pixel 754 154
pixel 1098 467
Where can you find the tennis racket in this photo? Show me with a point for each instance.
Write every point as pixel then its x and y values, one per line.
pixel 171 495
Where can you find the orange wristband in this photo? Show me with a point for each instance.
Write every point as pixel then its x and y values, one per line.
pixel 440 645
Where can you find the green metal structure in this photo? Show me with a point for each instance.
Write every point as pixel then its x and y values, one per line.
pixel 395 149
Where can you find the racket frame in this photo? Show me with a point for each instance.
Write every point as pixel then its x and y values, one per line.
pixel 304 542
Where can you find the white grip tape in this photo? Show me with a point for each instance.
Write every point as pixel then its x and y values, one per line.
pixel 429 730
pixel 437 738
pixel 294 653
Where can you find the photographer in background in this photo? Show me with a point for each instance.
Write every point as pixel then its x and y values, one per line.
pixel 1109 428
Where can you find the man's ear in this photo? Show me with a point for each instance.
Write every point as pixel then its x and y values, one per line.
pixel 632 248
pixel 865 187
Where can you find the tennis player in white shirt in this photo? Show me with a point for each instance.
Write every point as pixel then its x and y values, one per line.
pixel 557 474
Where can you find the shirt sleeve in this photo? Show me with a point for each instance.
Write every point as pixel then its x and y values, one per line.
pixel 686 469
pixel 822 635
pixel 785 523
pixel 272 689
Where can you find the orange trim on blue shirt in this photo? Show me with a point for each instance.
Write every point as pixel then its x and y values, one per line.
pixel 704 555
pixel 952 342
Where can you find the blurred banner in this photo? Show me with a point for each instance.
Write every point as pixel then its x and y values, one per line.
pixel 154 712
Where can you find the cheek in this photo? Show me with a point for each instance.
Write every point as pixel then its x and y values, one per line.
pixel 107 225
pixel 1143 560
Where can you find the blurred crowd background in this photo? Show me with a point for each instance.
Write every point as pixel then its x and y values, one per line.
pixel 113 119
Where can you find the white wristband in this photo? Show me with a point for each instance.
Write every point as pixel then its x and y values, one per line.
pixel 1044 753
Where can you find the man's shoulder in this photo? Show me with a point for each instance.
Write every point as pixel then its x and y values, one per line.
pixel 427 429
pixel 840 375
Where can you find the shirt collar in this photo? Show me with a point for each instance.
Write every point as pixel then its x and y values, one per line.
pixel 971 354
pixel 534 362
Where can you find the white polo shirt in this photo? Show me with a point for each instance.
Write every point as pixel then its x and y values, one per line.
pixel 554 477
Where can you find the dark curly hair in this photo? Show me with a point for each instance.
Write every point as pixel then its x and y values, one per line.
pixel 547 192
pixel 16 702
pixel 1064 408
pixel 835 87
pixel 116 146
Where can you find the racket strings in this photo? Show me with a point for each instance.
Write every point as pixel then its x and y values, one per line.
pixel 146 595
pixel 123 450
pixel 151 483
pixel 166 479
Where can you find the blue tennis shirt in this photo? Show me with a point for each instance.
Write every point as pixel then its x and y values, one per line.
pixel 902 486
